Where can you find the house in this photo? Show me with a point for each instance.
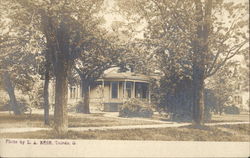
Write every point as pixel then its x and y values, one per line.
pixel 110 91
pixel 240 97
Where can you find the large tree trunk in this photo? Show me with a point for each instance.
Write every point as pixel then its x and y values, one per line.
pixel 11 92
pixel 198 95
pixel 85 93
pixel 198 68
pixel 58 41
pixel 200 47
pixel 60 113
pixel 46 92
pixel 63 66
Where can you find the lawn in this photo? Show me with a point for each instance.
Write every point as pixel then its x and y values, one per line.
pixel 97 120
pixel 76 120
pixel 230 118
pixel 188 133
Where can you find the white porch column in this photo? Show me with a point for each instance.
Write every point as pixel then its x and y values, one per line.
pixel 110 89
pixel 124 90
pixel 133 90
pixel 103 90
pixel 89 94
pixel 149 94
pixel 102 104
pixel 118 89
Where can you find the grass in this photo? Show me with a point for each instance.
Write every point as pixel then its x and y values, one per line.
pixel 95 120
pixel 188 133
pixel 230 118
pixel 77 120
pixel 10 121
pixel 215 118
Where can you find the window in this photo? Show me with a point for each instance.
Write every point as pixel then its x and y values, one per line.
pixel 114 89
pixel 238 99
pixel 138 90
pixel 129 89
pixel 141 90
pixel 144 90
pixel 72 92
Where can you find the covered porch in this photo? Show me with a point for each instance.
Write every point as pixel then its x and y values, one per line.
pixel 116 90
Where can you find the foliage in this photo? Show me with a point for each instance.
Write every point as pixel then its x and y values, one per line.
pixel 176 98
pixel 222 86
pixel 21 52
pixel 36 96
pixel 231 110
pixel 78 106
pixel 191 38
pixel 135 108
pixel 65 28
pixel 171 27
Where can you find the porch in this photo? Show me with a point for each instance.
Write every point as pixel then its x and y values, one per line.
pixel 113 93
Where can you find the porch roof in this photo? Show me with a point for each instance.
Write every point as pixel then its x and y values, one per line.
pixel 129 76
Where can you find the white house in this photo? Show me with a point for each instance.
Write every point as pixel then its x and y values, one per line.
pixel 111 90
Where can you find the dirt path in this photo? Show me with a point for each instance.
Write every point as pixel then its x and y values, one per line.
pixel 20 130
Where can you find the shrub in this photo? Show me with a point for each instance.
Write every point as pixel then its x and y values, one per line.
pixel 5 107
pixel 231 110
pixel 79 106
pixel 71 108
pixel 135 108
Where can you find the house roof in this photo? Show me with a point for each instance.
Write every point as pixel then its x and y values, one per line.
pixel 114 74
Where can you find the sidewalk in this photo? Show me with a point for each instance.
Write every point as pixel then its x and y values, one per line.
pixel 19 130
pixel 116 115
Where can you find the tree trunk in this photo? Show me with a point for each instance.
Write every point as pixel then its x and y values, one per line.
pixel 85 91
pixel 11 92
pixel 198 95
pixel 200 47
pixel 58 40
pixel 198 67
pixel 60 113
pixel 46 92
pixel 62 65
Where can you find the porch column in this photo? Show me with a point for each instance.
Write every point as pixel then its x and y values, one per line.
pixel 118 89
pixel 133 90
pixel 149 94
pixel 124 90
pixel 102 91
pixel 110 89
pixel 89 95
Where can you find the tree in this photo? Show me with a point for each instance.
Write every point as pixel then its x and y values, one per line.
pixel 222 88
pixel 46 73
pixel 60 23
pixel 91 64
pixel 192 38
pixel 17 64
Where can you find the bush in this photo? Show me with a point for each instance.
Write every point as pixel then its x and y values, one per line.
pixel 231 110
pixel 135 108
pixel 79 106
pixel 4 104
pixel 5 107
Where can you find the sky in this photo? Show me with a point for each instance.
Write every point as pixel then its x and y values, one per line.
pixel 109 15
